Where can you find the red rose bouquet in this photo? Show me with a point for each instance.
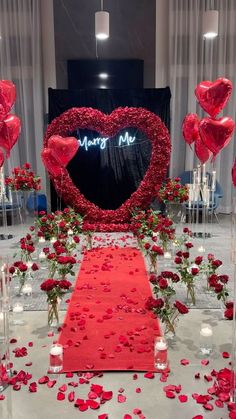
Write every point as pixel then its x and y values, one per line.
pixel 167 309
pixel 23 179
pixel 59 224
pixel 173 191
pixel 153 251
pixel 22 271
pixel 60 260
pixel 189 271
pixel 55 291
pixel 151 224
pixel 27 248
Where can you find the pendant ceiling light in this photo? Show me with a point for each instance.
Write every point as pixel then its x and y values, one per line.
pixel 102 24
pixel 210 24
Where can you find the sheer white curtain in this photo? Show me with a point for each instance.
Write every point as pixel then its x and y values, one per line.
pixel 21 62
pixel 192 59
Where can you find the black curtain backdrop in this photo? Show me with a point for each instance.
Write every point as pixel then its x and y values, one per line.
pixel 108 174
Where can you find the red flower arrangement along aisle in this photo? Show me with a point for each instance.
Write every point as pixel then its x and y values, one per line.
pixel 108 125
pixel 23 179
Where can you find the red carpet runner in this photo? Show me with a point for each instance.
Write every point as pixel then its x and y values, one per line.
pixel 106 325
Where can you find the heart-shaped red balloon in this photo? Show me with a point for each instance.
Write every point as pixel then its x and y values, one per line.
pixel 7 97
pixel 234 173
pixel 9 133
pixel 63 148
pixel 213 96
pixel 216 133
pixel 190 127
pixel 50 162
pixel 201 150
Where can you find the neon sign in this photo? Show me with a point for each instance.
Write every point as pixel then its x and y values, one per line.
pixel 124 140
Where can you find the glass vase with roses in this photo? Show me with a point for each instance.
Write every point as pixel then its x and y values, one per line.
pixel 22 272
pixel 163 305
pixel 55 291
pixel 188 271
pixel 152 252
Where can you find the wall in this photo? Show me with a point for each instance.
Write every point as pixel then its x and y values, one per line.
pixel 132 33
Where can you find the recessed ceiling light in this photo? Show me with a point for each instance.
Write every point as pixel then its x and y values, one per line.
pixel 103 76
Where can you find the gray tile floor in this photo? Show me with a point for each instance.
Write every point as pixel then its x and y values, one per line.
pixel 151 400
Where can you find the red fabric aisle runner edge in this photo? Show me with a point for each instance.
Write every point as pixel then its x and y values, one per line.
pixel 106 326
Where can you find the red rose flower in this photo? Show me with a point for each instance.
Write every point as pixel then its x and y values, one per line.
pixel 163 283
pixel 157 249
pixel 213 280
pixel 152 303
pixel 64 284
pixel 229 313
pixel 30 248
pixel 12 270
pixel 223 278
pixel 153 278
pixel 194 271
pixel 188 245
pixel 185 255
pixel 52 256
pixel 179 253
pixel 76 239
pixel 175 278
pixel 181 307
pixel 218 288
pixel 62 224
pixel 23 267
pixel 198 260
pixel 34 267
pixel 216 263
pixel 178 260
pixel 147 246
pixel 49 284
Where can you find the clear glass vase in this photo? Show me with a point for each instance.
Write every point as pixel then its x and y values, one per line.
pixel 53 313
pixel 191 298
pixel 152 264
pixel 170 330
pixel 174 211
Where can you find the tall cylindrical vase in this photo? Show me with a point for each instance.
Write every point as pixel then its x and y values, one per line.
pixel 233 351
pixel 5 371
pixel 53 313
pixel 174 211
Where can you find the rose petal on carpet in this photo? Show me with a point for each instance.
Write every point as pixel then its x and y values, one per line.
pixel 106 325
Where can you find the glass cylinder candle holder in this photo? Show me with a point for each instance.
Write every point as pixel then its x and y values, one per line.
pixel 56 358
pixel 160 353
pixel 18 311
pixel 206 339
pixel 27 290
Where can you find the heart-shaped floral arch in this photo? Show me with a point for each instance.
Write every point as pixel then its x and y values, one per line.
pixel 109 125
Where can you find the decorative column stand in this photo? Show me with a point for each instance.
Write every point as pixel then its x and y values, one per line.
pixel 5 371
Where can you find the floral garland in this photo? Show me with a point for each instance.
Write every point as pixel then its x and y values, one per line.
pixel 108 125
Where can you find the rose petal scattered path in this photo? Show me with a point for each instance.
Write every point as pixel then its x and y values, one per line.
pixel 106 325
